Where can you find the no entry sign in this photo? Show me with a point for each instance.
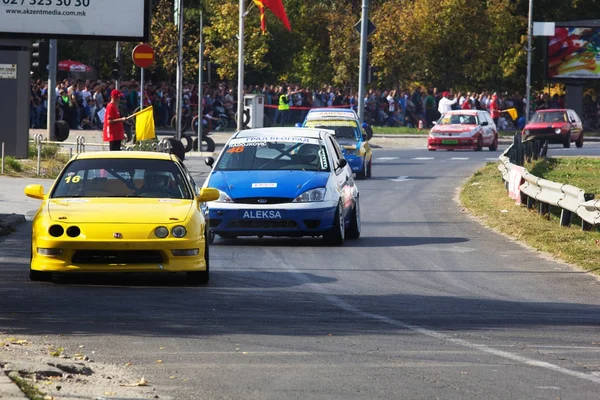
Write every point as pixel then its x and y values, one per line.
pixel 143 56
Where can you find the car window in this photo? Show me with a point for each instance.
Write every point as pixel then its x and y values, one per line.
pixel 335 150
pixel 551 116
pixel 458 119
pixel 105 177
pixel 277 153
pixel 344 129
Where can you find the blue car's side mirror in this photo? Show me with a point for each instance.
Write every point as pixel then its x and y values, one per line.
pixel 298 125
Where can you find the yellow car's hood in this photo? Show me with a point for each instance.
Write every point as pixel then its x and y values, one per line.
pixel 119 211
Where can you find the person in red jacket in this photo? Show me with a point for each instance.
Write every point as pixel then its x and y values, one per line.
pixel 495 108
pixel 113 131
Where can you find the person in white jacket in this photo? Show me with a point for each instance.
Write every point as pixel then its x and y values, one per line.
pixel 446 104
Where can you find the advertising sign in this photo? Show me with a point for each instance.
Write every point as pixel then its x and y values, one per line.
pixel 125 20
pixel 574 53
pixel 8 71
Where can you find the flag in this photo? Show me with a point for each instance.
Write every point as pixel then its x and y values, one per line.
pixel 276 6
pixel 513 113
pixel 263 21
pixel 144 124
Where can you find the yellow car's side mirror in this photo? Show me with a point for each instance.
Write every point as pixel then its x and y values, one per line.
pixel 35 192
pixel 208 194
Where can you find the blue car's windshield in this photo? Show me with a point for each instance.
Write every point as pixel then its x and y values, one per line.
pixel 344 129
pixel 295 154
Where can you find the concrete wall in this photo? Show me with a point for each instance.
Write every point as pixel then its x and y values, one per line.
pixel 574 99
pixel 14 98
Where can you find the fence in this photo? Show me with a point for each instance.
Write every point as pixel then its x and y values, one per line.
pixel 534 190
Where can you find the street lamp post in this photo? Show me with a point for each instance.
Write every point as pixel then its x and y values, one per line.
pixel 529 49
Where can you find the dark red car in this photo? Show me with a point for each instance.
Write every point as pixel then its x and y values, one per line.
pixel 556 126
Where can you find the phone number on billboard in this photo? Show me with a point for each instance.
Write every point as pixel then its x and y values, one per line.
pixel 56 3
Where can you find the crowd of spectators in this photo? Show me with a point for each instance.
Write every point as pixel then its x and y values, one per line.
pixel 78 102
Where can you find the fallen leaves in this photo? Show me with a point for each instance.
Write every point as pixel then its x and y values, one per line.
pixel 142 382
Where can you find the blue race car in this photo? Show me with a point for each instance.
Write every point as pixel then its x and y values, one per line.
pixel 283 182
pixel 349 134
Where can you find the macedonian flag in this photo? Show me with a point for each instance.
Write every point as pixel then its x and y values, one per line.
pixel 276 6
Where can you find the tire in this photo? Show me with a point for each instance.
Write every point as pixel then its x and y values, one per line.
pixel 187 142
pixel 369 168
pixel 177 148
pixel 579 142
pixel 479 144
pixel 61 131
pixel 494 146
pixel 335 236
pixel 567 141
pixel 207 144
pixel 40 276
pixel 353 231
pixel 362 174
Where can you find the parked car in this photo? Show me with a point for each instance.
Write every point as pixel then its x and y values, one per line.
pixel 463 129
pixel 349 134
pixel 283 182
pixel 556 126
pixel 121 212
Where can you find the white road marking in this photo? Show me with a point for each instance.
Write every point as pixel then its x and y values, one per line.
pixel 387 158
pixel 401 179
pixel 423 158
pixel 459 158
pixel 344 305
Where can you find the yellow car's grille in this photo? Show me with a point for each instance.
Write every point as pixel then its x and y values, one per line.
pixel 117 257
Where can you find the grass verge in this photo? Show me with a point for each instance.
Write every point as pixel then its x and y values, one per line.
pixel 484 195
pixel 51 163
pixel 27 387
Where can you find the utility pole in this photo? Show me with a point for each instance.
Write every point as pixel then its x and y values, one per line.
pixel 529 49
pixel 200 111
pixel 240 105
pixel 179 69
pixel 362 70
pixel 53 65
pixel 118 60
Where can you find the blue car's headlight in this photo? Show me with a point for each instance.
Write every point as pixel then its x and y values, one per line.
pixel 311 195
pixel 223 198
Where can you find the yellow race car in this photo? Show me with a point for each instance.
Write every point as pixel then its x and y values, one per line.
pixel 121 212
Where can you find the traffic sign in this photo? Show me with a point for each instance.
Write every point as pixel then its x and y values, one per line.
pixel 143 55
pixel 370 27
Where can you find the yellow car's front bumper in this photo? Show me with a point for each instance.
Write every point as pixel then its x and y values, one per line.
pixel 98 252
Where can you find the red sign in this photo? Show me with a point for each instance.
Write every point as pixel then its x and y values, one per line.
pixel 143 55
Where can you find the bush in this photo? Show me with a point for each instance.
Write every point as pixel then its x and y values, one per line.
pixel 13 164
pixel 49 150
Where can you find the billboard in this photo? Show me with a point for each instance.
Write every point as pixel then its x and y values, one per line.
pixel 125 20
pixel 574 53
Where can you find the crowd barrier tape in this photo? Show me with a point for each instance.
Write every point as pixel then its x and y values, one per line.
pixel 570 199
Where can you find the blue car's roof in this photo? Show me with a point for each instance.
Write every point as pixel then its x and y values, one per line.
pixel 331 113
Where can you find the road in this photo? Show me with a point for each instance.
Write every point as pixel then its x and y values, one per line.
pixel 426 304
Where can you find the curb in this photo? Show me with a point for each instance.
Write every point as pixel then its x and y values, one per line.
pixel 9 390
pixel 9 223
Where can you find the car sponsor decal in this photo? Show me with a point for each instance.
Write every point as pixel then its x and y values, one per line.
pixel 261 214
pixel 263 185
pixel 314 123
pixel 323 158
pixel 327 114
pixel 264 139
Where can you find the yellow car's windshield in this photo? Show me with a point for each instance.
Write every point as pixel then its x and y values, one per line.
pixel 122 178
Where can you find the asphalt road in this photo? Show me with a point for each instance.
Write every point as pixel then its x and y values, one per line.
pixel 427 304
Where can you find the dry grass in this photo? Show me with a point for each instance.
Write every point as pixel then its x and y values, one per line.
pixel 51 163
pixel 485 196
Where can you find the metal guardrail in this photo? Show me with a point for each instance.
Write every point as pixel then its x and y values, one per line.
pixel 545 193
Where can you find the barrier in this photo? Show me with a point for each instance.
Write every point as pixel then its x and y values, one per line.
pixel 570 199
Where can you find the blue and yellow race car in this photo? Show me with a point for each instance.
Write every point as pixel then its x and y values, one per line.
pixel 349 134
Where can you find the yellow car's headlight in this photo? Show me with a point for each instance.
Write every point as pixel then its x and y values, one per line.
pixel 161 232
pixel 179 231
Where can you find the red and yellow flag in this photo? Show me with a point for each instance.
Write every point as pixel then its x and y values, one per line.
pixel 276 6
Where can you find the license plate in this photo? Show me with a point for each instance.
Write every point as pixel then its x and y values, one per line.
pixel 449 141
pixel 262 214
